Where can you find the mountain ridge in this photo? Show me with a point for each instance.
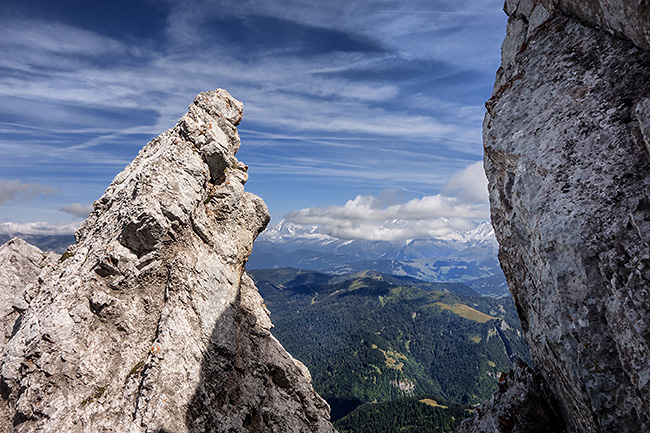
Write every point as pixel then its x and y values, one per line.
pixel 465 257
pixel 369 336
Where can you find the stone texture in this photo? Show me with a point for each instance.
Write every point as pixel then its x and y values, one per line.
pixel 522 404
pixel 629 19
pixel 567 159
pixel 150 323
pixel 20 266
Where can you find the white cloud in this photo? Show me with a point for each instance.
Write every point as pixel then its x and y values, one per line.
pixel 285 92
pixel 468 185
pixel 51 37
pixel 77 209
pixel 16 190
pixel 38 228
pixel 405 27
pixel 55 68
pixel 382 218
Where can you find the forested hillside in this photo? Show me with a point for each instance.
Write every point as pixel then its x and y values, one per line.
pixel 405 415
pixel 369 337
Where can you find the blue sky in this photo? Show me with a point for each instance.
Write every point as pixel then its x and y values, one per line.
pixel 341 98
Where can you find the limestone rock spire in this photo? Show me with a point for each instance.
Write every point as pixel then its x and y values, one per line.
pixel 149 322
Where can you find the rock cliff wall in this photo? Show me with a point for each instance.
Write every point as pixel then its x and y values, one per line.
pixel 150 323
pixel 567 155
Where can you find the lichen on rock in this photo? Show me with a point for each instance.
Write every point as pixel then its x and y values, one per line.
pixel 151 323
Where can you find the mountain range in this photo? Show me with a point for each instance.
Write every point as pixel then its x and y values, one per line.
pixel 56 243
pixel 468 257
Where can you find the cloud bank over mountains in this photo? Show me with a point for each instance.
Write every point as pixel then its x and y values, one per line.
pixel 462 206
pixel 38 228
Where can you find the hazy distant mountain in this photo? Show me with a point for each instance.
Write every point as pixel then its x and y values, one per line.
pixel 288 237
pixel 465 257
pixel 56 243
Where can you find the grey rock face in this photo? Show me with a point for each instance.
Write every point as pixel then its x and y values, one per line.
pixel 20 266
pixel 522 404
pixel 150 323
pixel 629 19
pixel 567 157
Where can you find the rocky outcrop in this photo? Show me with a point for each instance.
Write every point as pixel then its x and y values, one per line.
pixel 522 404
pixel 150 323
pixel 567 155
pixel 20 266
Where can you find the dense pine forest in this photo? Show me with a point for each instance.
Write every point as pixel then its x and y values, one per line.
pixel 410 415
pixel 369 338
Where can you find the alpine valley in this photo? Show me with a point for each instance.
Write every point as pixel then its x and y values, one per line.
pixel 369 337
pixel 417 330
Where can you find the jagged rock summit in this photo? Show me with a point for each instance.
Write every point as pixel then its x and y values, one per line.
pixel 567 156
pixel 150 323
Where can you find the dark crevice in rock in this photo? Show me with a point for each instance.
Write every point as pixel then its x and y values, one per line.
pixel 522 404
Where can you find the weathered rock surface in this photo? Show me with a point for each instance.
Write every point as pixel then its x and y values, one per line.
pixel 567 155
pixel 629 19
pixel 522 404
pixel 150 323
pixel 20 266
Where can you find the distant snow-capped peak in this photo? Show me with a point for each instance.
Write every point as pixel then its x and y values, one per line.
pixel 289 231
pixel 483 232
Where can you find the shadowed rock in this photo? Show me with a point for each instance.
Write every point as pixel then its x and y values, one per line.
pixel 522 404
